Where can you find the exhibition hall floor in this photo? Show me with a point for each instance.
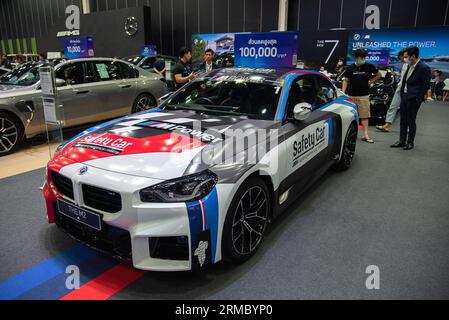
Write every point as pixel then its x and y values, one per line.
pixel 391 210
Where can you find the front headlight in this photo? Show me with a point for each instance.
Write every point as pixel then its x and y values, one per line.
pixel 188 188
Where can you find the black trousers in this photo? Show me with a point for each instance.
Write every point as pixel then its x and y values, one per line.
pixel 409 110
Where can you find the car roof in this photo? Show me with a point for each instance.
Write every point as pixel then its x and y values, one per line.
pixel 151 56
pixel 276 75
pixel 93 59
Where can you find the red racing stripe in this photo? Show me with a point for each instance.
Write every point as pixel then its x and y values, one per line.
pixel 107 284
pixel 166 142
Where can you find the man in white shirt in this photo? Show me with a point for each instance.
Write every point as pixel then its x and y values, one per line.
pixel 396 101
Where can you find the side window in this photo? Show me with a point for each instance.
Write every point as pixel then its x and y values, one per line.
pixel 302 90
pixel 73 73
pixel 107 70
pixel 128 72
pixel 147 63
pixel 325 94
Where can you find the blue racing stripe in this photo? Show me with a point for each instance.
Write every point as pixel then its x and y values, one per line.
pixel 211 207
pixel 55 288
pixel 194 212
pixel 330 123
pixel 37 275
pixel 285 91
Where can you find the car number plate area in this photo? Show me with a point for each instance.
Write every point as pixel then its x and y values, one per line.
pixel 83 216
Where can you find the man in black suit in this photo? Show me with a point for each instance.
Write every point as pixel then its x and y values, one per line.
pixel 414 86
pixel 208 63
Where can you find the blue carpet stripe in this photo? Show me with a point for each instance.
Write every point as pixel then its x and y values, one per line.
pixel 55 288
pixel 17 285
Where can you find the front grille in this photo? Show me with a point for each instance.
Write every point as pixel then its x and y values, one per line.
pixel 63 185
pixel 110 240
pixel 102 199
pixel 169 248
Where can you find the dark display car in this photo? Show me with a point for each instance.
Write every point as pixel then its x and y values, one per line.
pixel 147 62
pixel 381 94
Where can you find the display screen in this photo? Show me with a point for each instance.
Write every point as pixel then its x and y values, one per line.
pixel 221 43
pixel 78 47
pixel 148 51
pixel 433 44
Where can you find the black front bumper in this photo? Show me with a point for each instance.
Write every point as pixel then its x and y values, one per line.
pixel 110 240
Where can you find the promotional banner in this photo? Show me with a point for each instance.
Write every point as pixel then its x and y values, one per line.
pixel 148 51
pixel 78 47
pixel 378 57
pixel 266 50
pixel 322 48
pixel 433 44
pixel 221 43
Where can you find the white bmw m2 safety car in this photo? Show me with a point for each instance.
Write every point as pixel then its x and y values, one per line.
pixel 199 179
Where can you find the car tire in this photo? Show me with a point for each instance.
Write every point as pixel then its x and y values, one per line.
pixel 11 133
pixel 252 194
pixel 348 152
pixel 144 102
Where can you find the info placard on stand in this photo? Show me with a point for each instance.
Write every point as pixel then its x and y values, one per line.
pixel 53 112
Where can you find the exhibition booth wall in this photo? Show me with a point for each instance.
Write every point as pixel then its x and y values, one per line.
pixel 110 37
pixel 25 22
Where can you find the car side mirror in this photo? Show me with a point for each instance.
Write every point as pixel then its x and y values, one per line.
pixel 302 111
pixel 60 82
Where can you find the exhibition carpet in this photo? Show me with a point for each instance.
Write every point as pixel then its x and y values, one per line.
pixel 390 210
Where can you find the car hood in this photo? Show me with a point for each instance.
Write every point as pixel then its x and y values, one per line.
pixel 7 87
pixel 159 145
pixel 8 91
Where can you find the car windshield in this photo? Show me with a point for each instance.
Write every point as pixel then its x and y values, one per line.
pixel 133 59
pixel 254 99
pixel 24 75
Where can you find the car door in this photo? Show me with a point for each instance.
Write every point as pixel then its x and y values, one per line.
pixel 307 143
pixel 116 92
pixel 128 87
pixel 77 96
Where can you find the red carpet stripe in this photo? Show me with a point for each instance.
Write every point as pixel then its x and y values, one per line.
pixel 107 284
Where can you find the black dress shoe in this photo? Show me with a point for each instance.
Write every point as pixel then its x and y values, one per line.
pixel 409 146
pixel 398 144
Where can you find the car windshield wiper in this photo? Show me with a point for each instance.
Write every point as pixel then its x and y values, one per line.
pixel 180 106
pixel 219 108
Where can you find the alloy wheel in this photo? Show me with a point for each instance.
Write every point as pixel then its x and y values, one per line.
pixel 349 151
pixel 250 220
pixel 145 103
pixel 9 135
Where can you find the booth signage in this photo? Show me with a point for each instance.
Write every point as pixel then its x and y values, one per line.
pixel 148 51
pixel 266 50
pixel 433 44
pixel 49 95
pixel 78 47
pixel 378 57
